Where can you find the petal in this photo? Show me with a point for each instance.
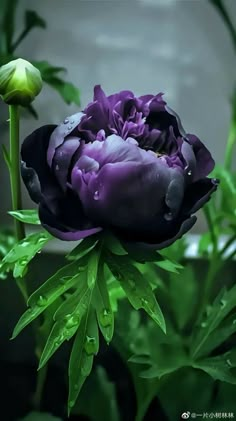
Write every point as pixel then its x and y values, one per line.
pixel 60 133
pixel 67 221
pixel 35 172
pixel 197 194
pixel 62 159
pixel 205 162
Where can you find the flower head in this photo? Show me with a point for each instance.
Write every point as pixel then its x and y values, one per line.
pixel 125 165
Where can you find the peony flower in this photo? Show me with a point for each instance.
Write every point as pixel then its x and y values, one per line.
pixel 124 165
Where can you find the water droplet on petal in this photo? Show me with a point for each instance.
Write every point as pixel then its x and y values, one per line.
pixel 72 122
pixel 168 216
pixel 90 345
pixel 96 195
pixel 203 324
pixel 42 301
pixel 106 318
pixel 215 181
pixel 66 121
pixel 69 127
pixel 189 172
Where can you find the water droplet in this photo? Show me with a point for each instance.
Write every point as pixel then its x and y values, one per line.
pixel 71 404
pixel 90 345
pixel 234 322
pixel 229 363
pixel 106 318
pixel 223 303
pixel 96 195
pixel 40 251
pixel 42 301
pixel 69 127
pixel 25 243
pixel 22 262
pixel 189 172
pixel 168 216
pixel 215 181
pixel 203 324
pixel 57 167
pixel 66 121
pixel 144 301
pixel 41 241
pixel 71 321
pixel 72 122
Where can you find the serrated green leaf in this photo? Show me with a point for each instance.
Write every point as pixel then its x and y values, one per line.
pixel 47 70
pixel 102 305
pixel 23 252
pixel 29 216
pixel 169 266
pixel 219 367
pixel 226 328
pixel 83 248
pixel 65 327
pixel 92 268
pixel 86 345
pixel 222 306
pixel 138 291
pixel 47 293
pixel 114 245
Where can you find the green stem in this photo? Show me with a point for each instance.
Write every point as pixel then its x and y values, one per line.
pixel 14 169
pixel 230 144
pixel 41 378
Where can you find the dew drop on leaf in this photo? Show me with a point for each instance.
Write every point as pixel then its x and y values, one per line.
pixel 42 301
pixel 229 363
pixel 203 324
pixel 105 318
pixel 223 303
pixel 90 345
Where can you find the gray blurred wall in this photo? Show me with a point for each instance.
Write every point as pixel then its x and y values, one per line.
pixel 179 47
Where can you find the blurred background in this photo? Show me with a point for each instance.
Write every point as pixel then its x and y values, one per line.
pixel 179 47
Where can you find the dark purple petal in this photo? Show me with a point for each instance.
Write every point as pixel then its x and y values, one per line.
pixel 62 159
pixel 35 171
pixel 60 133
pixel 197 194
pixel 205 162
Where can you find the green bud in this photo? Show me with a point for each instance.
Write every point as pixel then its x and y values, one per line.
pixel 20 82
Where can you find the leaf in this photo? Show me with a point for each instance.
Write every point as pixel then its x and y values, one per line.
pixel 138 291
pixel 40 416
pixel 47 70
pixel 114 245
pixel 169 266
pixel 221 9
pixel 222 306
pixel 226 328
pixel 29 216
pixel 83 248
pixel 32 20
pixel 204 244
pixel 219 367
pixel 92 268
pixel 6 156
pixel 23 252
pixel 66 326
pixel 102 305
pixel 170 358
pixel 46 294
pixel 69 93
pixel 86 345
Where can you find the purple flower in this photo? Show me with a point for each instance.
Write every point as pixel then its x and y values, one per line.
pixel 125 165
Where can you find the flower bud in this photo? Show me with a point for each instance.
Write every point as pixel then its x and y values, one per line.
pixel 20 82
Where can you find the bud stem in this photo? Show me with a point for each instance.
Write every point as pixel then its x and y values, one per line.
pixel 14 170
